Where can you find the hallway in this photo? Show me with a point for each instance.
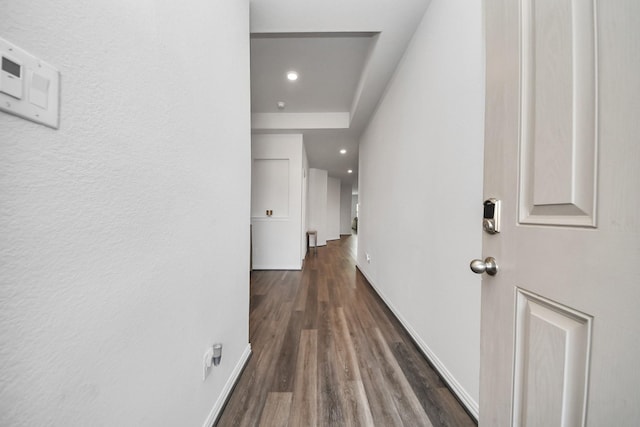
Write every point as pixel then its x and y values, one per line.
pixel 327 351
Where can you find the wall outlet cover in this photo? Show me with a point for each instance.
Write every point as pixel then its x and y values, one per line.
pixel 207 361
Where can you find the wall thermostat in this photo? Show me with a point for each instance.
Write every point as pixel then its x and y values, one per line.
pixel 11 77
pixel 29 87
pixel 491 216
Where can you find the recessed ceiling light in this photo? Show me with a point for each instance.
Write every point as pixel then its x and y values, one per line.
pixel 349 171
pixel 292 75
pixel 343 151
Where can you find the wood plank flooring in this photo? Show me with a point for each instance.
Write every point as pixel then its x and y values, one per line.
pixel 328 352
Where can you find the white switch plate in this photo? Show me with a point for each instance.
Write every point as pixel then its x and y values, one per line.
pixel 39 100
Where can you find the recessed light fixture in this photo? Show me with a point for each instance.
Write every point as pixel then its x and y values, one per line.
pixel 349 171
pixel 292 75
pixel 343 151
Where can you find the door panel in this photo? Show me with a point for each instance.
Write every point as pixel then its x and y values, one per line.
pixel 560 325
pixel 270 187
pixel 551 362
pixel 558 141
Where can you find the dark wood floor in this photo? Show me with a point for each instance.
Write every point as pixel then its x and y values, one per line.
pixel 328 352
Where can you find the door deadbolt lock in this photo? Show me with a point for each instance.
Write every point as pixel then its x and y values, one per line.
pixel 491 216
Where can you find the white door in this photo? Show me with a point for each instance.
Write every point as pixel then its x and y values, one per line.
pixel 276 201
pixel 560 331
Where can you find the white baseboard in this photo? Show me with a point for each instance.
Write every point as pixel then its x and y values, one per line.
pixel 278 267
pixel 456 387
pixel 228 388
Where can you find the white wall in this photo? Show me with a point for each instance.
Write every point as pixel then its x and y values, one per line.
pixel 305 203
pixel 125 233
pixel 354 203
pixel 420 220
pixel 318 203
pixel 333 209
pixel 345 208
pixel 276 239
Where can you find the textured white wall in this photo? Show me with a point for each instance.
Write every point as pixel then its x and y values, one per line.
pixel 125 233
pixel 318 203
pixel 276 240
pixel 333 208
pixel 345 208
pixel 421 220
pixel 305 203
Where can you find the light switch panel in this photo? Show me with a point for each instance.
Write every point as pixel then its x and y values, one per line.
pixel 29 87
pixel 39 90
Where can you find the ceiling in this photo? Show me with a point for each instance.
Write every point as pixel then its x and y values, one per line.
pixel 345 53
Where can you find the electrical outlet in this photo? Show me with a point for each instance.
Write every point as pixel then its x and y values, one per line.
pixel 207 361
pixel 368 257
pixel 216 356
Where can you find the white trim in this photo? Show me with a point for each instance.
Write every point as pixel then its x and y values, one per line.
pixel 228 388
pixel 456 387
pixel 300 121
